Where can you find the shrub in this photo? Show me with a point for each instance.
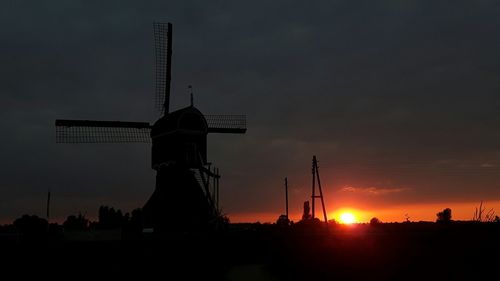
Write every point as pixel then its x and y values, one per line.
pixel 375 221
pixel 444 216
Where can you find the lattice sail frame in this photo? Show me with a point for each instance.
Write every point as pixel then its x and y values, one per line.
pixel 88 131
pixel 163 59
pixel 224 123
pixel 85 131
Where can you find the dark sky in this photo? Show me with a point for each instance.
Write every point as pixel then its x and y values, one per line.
pixel 399 100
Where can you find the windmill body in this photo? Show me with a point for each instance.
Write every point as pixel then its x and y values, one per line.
pixel 180 138
pixel 182 199
pixel 179 151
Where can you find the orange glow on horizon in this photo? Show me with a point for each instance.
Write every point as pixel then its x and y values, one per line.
pixel 390 213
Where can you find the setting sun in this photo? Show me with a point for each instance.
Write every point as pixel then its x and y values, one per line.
pixel 347 218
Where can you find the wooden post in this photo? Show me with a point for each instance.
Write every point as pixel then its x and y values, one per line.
pixel 321 194
pixel 286 196
pixel 218 176
pixel 48 206
pixel 214 195
pixel 313 197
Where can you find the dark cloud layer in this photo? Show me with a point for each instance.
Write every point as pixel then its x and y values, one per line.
pixel 391 95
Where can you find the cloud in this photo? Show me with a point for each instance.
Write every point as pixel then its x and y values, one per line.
pixel 348 82
pixel 373 190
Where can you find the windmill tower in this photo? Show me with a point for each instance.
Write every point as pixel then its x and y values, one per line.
pixel 182 199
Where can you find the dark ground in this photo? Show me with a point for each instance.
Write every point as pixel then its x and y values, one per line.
pixel 402 251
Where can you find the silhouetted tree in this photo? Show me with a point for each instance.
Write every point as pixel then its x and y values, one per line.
pixel 31 225
pixel 375 221
pixel 283 221
pixel 76 222
pixel 111 218
pixel 137 217
pixel 444 216
pixel 136 220
pixel 225 220
pixel 126 217
pixel 132 228
pixel 55 231
pixel 8 228
pixel 221 221
pixel 333 222
pixel 407 218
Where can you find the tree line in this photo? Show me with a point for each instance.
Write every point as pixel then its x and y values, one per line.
pixel 108 218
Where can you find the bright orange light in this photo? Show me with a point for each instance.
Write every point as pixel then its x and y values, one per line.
pixel 347 218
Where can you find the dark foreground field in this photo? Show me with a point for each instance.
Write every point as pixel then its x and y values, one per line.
pixel 404 251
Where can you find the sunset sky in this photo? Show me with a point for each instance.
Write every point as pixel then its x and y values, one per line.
pixel 399 101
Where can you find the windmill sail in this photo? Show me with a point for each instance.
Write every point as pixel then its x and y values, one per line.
pixel 88 131
pixel 223 123
pixel 163 64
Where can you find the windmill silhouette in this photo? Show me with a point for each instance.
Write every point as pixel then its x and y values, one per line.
pixel 182 199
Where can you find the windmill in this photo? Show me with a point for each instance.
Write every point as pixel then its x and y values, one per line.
pixel 182 199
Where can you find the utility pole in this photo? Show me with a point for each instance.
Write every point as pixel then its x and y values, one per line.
pixel 286 197
pixel 48 205
pixel 217 185
pixel 313 197
pixel 214 189
pixel 315 174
